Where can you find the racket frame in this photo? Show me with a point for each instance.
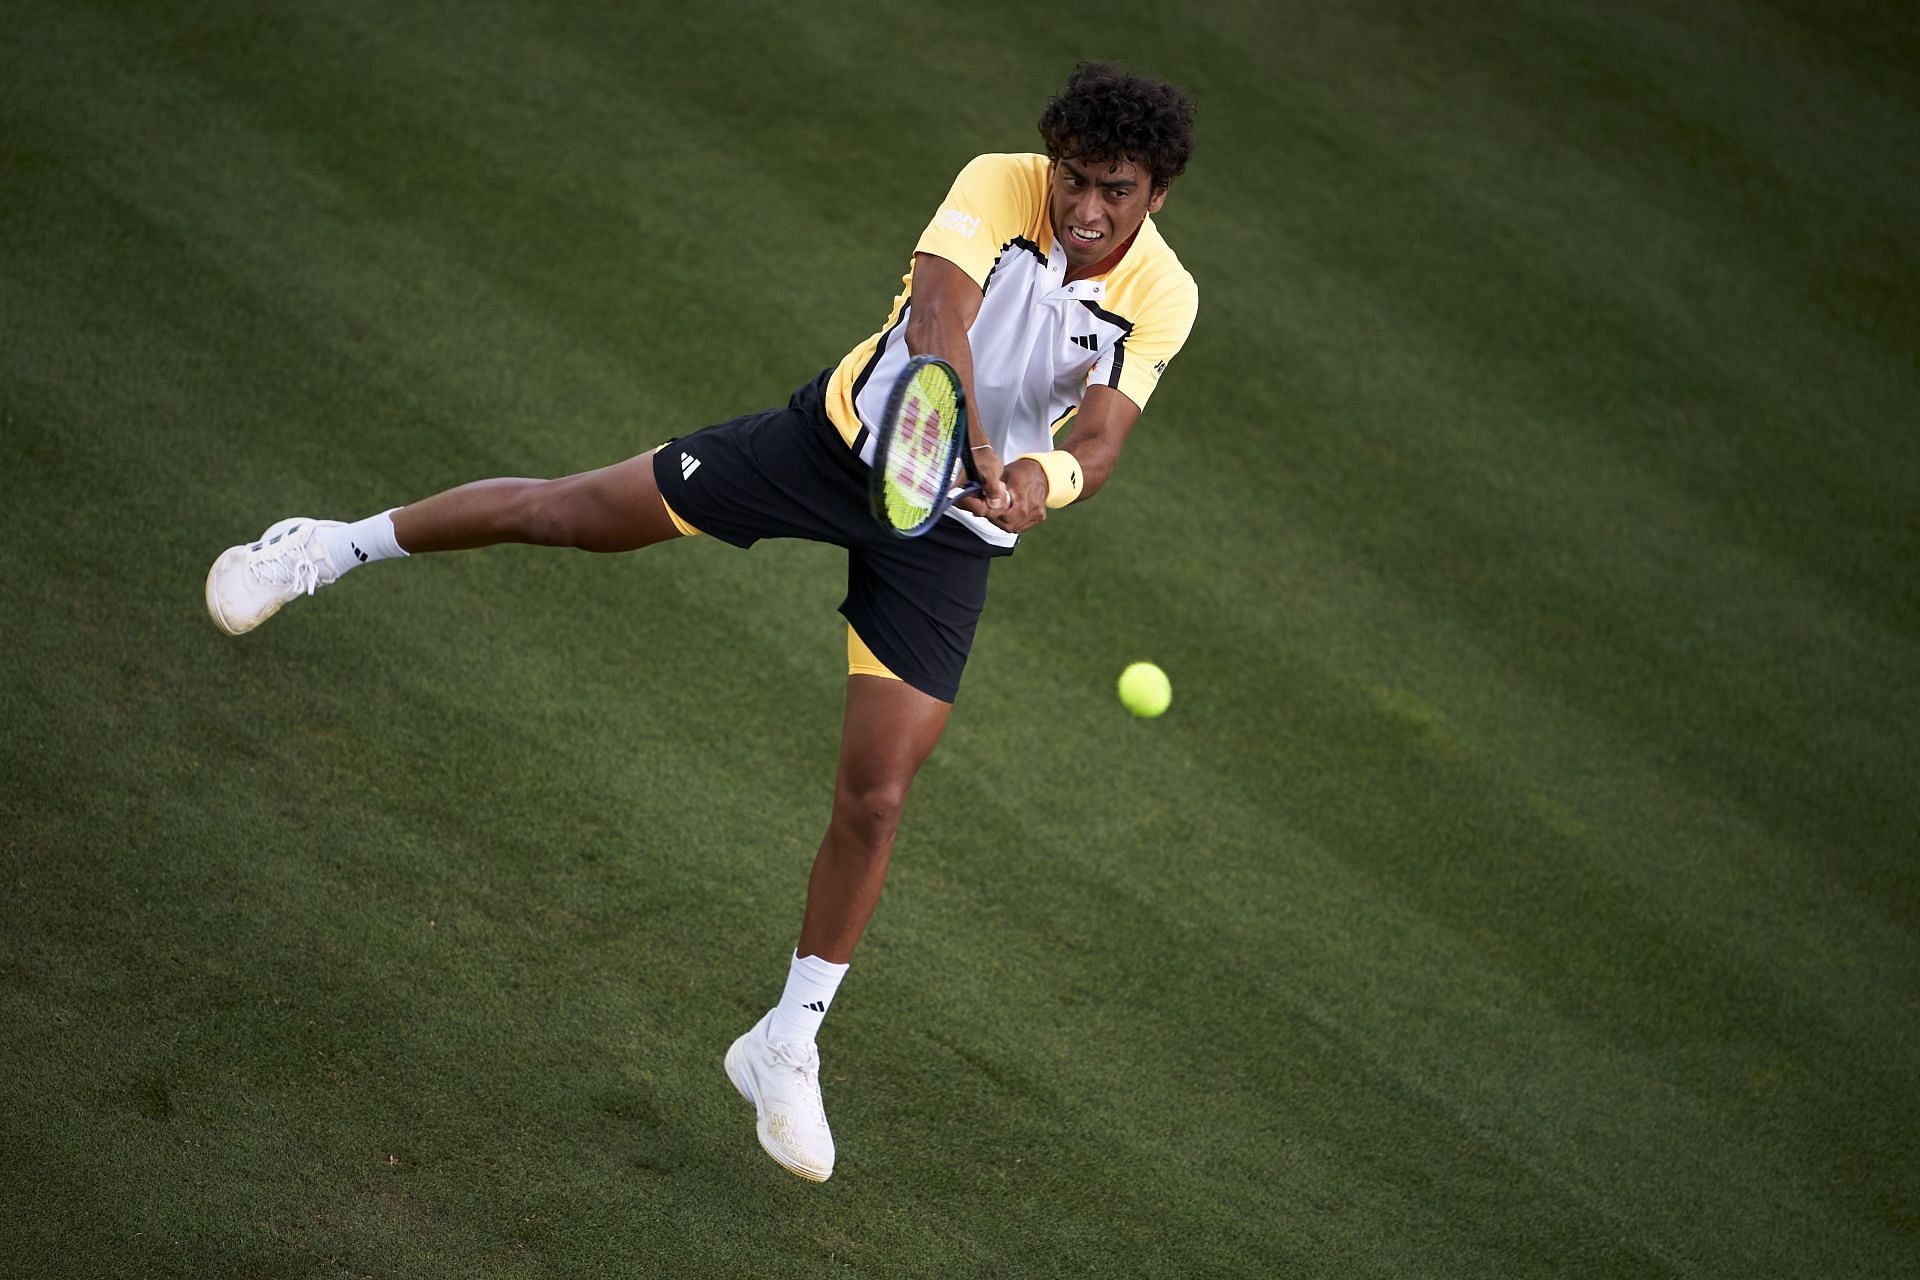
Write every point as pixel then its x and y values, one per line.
pixel 886 435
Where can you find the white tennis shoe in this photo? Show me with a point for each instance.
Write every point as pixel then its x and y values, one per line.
pixel 248 583
pixel 782 1081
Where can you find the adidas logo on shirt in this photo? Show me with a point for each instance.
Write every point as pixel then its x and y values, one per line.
pixel 1086 340
pixel 688 465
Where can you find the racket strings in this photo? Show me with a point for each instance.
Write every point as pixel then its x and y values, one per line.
pixel 919 466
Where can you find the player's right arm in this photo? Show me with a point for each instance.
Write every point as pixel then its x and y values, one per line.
pixel 993 200
pixel 945 302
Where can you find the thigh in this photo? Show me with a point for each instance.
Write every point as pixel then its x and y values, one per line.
pixel 889 731
pixel 616 508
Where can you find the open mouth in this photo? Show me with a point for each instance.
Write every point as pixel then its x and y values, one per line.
pixel 1084 236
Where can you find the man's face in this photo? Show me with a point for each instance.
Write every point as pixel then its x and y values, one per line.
pixel 1096 204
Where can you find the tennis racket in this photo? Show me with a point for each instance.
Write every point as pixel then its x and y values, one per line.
pixel 919 446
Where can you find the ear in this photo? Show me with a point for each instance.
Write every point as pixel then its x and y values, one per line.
pixel 1157 198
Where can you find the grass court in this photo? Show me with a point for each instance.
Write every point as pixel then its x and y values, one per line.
pixel 1523 882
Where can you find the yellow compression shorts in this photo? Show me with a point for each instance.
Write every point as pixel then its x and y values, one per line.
pixel 860 659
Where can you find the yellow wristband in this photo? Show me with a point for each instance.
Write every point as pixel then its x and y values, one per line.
pixel 1064 478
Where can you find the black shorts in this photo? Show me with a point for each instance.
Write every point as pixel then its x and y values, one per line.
pixel 786 473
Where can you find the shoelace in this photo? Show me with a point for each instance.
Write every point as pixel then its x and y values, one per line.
pixel 290 567
pixel 805 1063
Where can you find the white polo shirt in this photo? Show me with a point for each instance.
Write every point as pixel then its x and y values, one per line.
pixel 1038 342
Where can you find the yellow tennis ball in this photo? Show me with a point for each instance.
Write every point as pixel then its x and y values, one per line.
pixel 1145 690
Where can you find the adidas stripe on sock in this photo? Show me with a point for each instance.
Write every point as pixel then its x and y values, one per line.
pixel 811 983
pixel 351 545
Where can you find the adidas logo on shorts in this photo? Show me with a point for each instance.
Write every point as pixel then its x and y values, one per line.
pixel 688 465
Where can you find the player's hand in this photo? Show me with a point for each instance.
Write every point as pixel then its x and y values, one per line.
pixel 1026 482
pixel 992 500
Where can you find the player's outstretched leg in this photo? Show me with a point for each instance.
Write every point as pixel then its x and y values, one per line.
pixel 616 508
pixel 890 730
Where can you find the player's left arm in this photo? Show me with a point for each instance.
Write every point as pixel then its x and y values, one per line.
pixel 1100 429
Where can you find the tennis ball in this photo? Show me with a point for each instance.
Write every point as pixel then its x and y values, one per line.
pixel 1145 690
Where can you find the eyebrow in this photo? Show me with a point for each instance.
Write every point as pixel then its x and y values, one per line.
pixel 1105 184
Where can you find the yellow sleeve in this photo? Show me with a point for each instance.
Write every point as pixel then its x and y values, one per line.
pixel 991 202
pixel 1135 364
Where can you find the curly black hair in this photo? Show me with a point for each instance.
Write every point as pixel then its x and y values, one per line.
pixel 1106 115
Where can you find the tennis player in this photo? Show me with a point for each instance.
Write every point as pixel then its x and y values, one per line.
pixel 1044 281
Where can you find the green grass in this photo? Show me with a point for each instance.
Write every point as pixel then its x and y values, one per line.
pixel 1522 883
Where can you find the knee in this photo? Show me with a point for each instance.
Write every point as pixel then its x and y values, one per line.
pixel 871 812
pixel 545 516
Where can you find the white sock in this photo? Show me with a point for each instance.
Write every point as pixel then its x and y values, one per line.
pixel 361 542
pixel 811 983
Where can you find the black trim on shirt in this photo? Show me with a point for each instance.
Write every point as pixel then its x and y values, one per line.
pixel 1021 242
pixel 873 361
pixel 1119 348
pixel 1124 325
pixel 1018 242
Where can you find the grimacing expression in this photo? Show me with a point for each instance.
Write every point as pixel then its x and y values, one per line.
pixel 1096 204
